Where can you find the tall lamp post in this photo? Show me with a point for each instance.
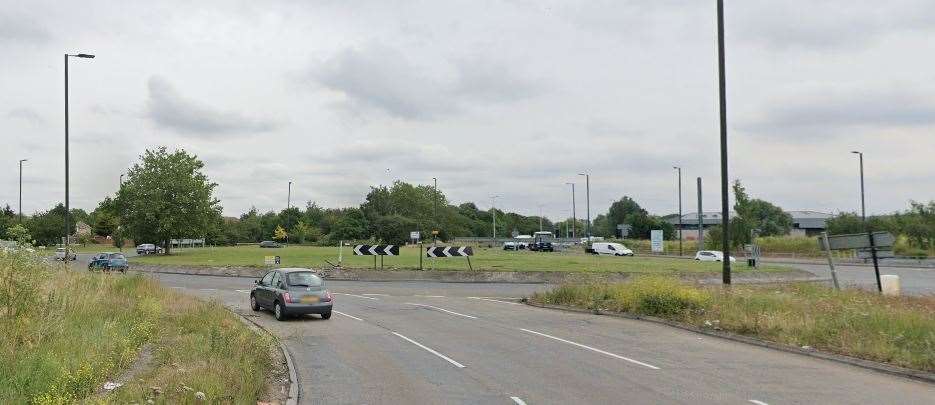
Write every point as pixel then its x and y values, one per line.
pixel 493 213
pixel 863 205
pixel 722 98
pixel 21 189
pixel 289 197
pixel 67 212
pixel 680 207
pixel 573 215
pixel 434 210
pixel 863 217
pixel 540 217
pixel 587 192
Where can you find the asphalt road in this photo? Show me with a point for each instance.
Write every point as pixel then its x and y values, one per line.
pixel 427 343
pixel 913 280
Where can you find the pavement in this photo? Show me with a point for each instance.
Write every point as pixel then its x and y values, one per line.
pixel 461 343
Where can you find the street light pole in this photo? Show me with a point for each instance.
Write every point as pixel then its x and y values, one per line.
pixel 67 213
pixel 680 207
pixel 587 192
pixel 722 96
pixel 863 217
pixel 863 205
pixel 540 217
pixel 573 214
pixel 434 210
pixel 289 197
pixel 493 213
pixel 21 189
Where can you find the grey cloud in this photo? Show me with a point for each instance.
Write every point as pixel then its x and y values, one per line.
pixel 19 28
pixel 492 81
pixel 26 114
pixel 168 109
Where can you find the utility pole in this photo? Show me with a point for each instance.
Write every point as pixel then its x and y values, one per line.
pixel 700 219
pixel 289 197
pixel 21 189
pixel 573 214
pixel 540 217
pixel 67 208
pixel 863 217
pixel 493 213
pixel 434 211
pixel 587 188
pixel 680 207
pixel 722 96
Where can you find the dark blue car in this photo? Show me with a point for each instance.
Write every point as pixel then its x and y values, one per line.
pixel 109 262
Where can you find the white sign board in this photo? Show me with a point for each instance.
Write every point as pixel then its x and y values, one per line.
pixel 415 235
pixel 655 237
pixel 269 260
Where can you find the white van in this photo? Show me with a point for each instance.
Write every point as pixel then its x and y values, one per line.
pixel 613 249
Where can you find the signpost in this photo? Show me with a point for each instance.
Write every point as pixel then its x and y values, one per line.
pixel 655 237
pixel 875 243
pixel 451 251
pixel 376 250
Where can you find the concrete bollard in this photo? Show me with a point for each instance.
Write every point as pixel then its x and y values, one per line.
pixel 890 283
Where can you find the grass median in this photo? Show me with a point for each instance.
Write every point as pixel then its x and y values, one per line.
pixel 483 259
pixel 64 333
pixel 895 330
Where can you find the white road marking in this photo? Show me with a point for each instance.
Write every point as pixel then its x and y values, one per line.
pixel 179 288
pixel 758 402
pixel 617 356
pixel 493 300
pixel 518 401
pixel 208 289
pixel 349 316
pixel 243 291
pixel 429 296
pixel 443 310
pixel 377 295
pixel 358 296
pixel 446 358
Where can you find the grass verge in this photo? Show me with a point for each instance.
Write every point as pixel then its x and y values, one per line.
pixel 894 330
pixel 65 333
pixel 483 259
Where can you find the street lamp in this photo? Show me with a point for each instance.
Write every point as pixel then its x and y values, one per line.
pixel 587 192
pixel 67 213
pixel 540 217
pixel 434 210
pixel 722 98
pixel 863 206
pixel 289 197
pixel 493 213
pixel 680 207
pixel 21 189
pixel 573 216
pixel 863 217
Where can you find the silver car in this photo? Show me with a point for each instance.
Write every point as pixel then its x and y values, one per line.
pixel 292 292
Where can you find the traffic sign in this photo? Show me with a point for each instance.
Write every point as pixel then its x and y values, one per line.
pixel 449 251
pixel 857 241
pixel 376 250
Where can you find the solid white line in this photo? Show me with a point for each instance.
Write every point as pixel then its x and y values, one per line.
pixel 377 295
pixel 593 349
pixel 493 300
pixel 358 296
pixel 349 316
pixel 179 288
pixel 518 401
pixel 208 289
pixel 243 291
pixel 443 310
pixel 429 296
pixel 456 364
pixel 758 402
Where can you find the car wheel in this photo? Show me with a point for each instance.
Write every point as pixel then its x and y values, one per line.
pixel 326 315
pixel 278 312
pixel 253 304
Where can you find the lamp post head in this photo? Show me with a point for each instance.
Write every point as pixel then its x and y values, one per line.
pixel 23 160
pixel 856 152
pixel 85 55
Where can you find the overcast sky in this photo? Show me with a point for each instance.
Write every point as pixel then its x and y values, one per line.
pixel 509 98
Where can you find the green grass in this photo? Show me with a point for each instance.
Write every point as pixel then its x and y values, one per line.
pixel 64 333
pixel 484 259
pixel 896 330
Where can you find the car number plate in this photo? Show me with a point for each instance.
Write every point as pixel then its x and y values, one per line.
pixel 309 299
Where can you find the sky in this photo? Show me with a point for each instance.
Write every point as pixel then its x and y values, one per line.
pixel 494 98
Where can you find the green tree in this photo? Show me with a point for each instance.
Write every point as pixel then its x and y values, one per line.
pixel 166 196
pixel 767 218
pixel 7 219
pixel 48 227
pixel 280 233
pixel 20 235
pixel 393 229
pixel 352 225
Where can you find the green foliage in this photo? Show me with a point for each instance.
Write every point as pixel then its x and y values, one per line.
pixel 280 233
pixel 627 211
pixel 166 196
pixel 48 227
pixel 393 229
pixel 353 225
pixel 7 219
pixel 20 235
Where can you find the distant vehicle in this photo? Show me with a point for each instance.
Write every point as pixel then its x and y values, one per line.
pixel 712 256
pixel 613 249
pixel 148 249
pixel 60 254
pixel 270 244
pixel 510 246
pixel 109 261
pixel 593 239
pixel 543 242
pixel 291 292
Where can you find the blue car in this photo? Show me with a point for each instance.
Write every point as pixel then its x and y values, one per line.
pixel 108 262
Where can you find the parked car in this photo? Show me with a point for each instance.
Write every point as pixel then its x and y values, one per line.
pixel 148 249
pixel 712 256
pixel 270 244
pixel 291 292
pixel 613 249
pixel 109 261
pixel 541 247
pixel 510 246
pixel 60 254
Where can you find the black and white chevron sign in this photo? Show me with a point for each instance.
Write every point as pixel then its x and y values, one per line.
pixel 376 250
pixel 448 251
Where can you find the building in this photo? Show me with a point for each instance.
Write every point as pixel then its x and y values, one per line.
pixel 804 223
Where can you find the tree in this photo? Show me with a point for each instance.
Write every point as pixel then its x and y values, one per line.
pixel 166 196
pixel 7 219
pixel 20 234
pixel 352 225
pixel 48 227
pixel 393 229
pixel 280 233
pixel 767 219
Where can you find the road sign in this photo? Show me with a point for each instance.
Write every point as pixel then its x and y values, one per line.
pixel 881 254
pixel 415 235
pixel 857 241
pixel 655 236
pixel 448 251
pixel 376 250
pixel 434 232
pixel 269 260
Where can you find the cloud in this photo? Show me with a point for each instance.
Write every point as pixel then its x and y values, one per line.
pixel 19 28
pixel 376 77
pixel 168 109
pixel 26 114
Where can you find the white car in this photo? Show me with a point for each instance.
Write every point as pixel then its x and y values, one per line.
pixel 613 249
pixel 60 254
pixel 712 256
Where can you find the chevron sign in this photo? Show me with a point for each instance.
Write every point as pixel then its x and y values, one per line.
pixel 448 251
pixel 376 250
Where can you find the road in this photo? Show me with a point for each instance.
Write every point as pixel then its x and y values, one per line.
pixel 913 280
pixel 427 343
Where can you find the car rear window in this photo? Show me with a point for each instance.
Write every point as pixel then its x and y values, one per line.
pixel 117 256
pixel 304 279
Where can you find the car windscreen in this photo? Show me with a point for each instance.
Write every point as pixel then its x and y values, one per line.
pixel 303 279
pixel 117 256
